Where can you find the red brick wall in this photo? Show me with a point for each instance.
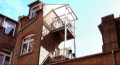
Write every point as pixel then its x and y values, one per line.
pixel 109 33
pixel 99 59
pixel 117 56
pixel 6 40
pixel 117 21
pixel 34 28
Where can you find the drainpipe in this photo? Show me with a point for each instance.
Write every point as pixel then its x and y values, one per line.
pixel 113 55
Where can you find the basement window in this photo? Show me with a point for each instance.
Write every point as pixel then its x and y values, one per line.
pixel 27 44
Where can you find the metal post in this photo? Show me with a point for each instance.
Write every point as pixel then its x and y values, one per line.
pixel 113 54
pixel 74 48
pixel 65 37
pixel 74 42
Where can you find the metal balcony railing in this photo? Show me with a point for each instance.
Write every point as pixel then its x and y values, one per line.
pixel 58 24
pixel 58 55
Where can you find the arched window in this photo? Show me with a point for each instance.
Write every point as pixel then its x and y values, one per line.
pixel 27 44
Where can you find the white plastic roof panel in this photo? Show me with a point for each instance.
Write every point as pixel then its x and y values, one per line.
pixel 48 7
pixel 61 11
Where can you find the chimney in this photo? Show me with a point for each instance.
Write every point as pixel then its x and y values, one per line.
pixel 108 29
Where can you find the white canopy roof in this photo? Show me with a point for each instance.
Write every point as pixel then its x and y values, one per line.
pixel 59 11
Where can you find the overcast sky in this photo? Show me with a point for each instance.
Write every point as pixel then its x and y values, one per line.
pixel 89 13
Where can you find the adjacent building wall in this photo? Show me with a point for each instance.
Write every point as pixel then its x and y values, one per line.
pixel 109 29
pixel 98 59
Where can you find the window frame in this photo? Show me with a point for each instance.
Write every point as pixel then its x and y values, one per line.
pixel 34 9
pixel 4 56
pixel 28 42
pixel 8 21
pixel 1 21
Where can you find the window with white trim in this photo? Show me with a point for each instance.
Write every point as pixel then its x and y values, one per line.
pixel 34 9
pixel 27 44
pixel 1 19
pixel 9 27
pixel 4 59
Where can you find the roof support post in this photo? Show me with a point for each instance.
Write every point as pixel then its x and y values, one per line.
pixel 65 37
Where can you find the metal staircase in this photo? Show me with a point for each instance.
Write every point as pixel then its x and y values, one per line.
pixel 58 26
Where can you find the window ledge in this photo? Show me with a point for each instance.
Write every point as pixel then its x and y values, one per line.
pixel 25 54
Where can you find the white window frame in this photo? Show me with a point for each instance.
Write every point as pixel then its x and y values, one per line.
pixel 27 42
pixel 34 11
pixel 5 57
pixel 5 20
pixel 1 20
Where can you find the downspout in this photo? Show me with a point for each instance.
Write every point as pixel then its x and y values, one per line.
pixel 113 55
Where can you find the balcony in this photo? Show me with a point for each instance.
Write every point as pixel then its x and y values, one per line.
pixel 58 20
pixel 59 29
pixel 55 20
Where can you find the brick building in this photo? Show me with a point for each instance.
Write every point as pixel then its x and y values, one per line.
pixel 7 38
pixel 35 39
pixel 40 33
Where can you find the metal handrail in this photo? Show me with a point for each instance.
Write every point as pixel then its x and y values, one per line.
pixel 60 24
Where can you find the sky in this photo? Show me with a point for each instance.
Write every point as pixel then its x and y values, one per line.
pixel 89 13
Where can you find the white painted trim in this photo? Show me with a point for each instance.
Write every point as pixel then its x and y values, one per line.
pixel 5 57
pixel 30 16
pixel 4 20
pixel 34 11
pixel 27 42
pixel 11 58
pixel 14 30
pixel 28 46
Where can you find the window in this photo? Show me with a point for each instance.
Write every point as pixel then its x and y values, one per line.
pixel 1 19
pixel 33 14
pixel 4 59
pixel 27 44
pixel 34 9
pixel 1 59
pixel 9 27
